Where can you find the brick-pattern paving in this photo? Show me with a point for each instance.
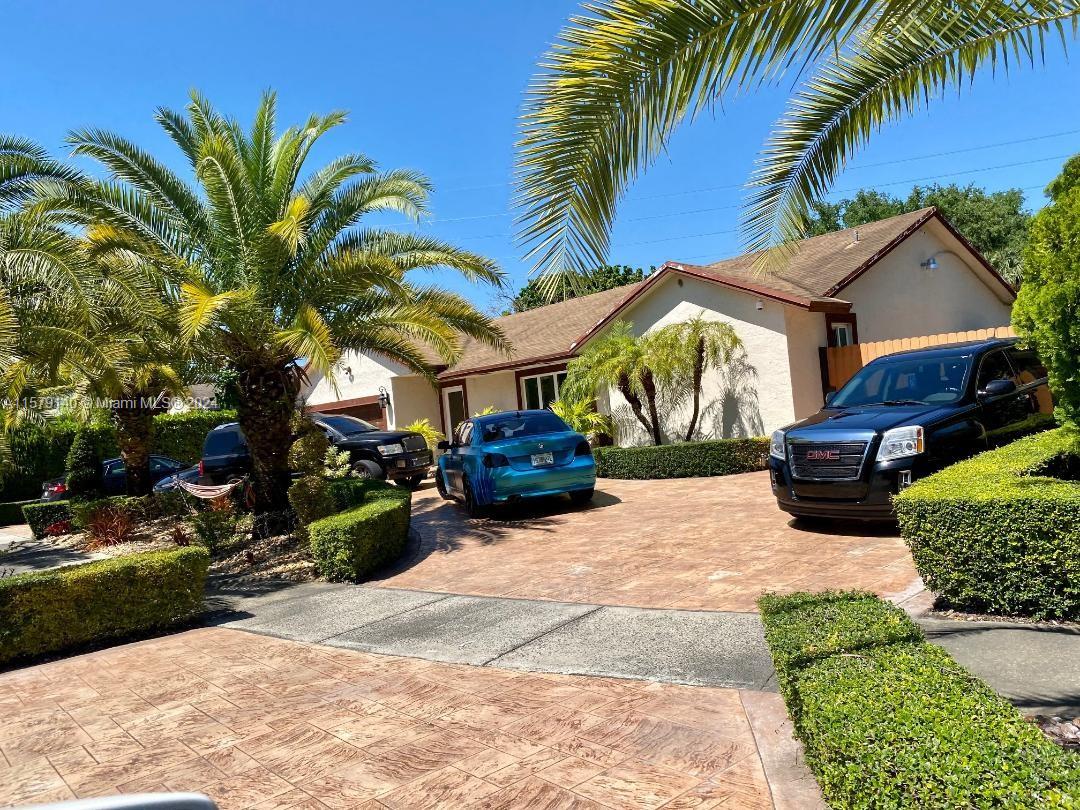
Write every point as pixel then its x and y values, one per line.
pixel 259 722
pixel 697 544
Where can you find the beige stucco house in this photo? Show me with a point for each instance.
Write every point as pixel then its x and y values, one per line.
pixel 906 276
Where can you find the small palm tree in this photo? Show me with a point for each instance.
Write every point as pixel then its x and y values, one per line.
pixel 627 73
pixel 696 346
pixel 581 415
pixel 265 261
pixel 636 367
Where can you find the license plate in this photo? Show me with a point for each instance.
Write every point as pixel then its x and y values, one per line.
pixel 401 463
pixel 542 459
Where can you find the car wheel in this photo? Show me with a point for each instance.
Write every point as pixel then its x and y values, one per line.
pixel 440 484
pixel 472 508
pixel 368 470
pixel 412 482
pixel 581 497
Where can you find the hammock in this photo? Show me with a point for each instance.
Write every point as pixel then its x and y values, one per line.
pixel 209 493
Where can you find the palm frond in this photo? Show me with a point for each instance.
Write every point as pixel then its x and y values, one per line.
pixel 309 336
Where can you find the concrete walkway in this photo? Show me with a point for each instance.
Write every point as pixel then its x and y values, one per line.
pixel 21 553
pixel 672 646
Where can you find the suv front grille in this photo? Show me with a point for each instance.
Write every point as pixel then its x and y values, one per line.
pixel 827 462
pixel 414 443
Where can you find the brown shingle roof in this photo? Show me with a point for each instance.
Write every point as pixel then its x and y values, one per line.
pixel 544 333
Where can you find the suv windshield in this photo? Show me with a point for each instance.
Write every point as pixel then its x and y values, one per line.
pixel 513 426
pixel 906 380
pixel 347 425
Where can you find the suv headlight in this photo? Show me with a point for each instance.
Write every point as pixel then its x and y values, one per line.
pixel 776 445
pixel 901 442
pixel 390 449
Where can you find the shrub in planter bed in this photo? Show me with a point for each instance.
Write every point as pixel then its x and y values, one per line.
pixel 351 544
pixel 999 533
pixel 11 513
pixel 40 515
pixel 889 721
pixel 685 460
pixel 49 611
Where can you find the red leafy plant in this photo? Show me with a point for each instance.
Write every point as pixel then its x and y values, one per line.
pixel 109 526
pixel 58 528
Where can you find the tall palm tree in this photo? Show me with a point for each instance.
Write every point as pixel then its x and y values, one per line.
pixel 627 73
pixel 696 346
pixel 265 260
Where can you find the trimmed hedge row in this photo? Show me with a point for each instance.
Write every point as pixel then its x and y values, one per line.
pixel 998 533
pixel 11 513
pixel 889 721
pixel 49 611
pixel 351 544
pixel 684 460
pixel 39 515
pixel 39 452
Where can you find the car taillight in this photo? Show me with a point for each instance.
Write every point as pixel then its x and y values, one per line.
pixel 202 468
pixel 496 460
pixel 60 487
pixel 583 449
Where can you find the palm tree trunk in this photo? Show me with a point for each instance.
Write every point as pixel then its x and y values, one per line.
pixel 699 372
pixel 649 384
pixel 134 423
pixel 266 403
pixel 634 402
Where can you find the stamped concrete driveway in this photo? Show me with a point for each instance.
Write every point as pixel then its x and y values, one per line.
pixel 693 544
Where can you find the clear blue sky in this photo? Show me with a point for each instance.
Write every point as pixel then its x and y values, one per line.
pixel 438 87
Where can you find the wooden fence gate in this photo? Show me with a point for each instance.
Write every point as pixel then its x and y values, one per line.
pixel 841 362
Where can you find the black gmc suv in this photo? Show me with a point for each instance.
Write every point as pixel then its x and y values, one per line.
pixel 904 416
pixel 398 455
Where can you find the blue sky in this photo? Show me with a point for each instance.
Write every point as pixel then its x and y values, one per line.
pixel 437 87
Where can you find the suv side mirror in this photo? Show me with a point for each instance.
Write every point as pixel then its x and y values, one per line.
pixel 443 445
pixel 829 397
pixel 997 388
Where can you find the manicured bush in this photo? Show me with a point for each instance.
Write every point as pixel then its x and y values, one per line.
pixel 11 513
pixel 138 508
pixel 37 453
pixel 82 468
pixel 889 721
pixel 41 514
pixel 998 533
pixel 350 492
pixel 49 611
pixel 310 498
pixel 350 545
pixel 684 460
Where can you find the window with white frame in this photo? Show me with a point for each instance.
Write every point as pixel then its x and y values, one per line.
pixel 540 390
pixel 843 334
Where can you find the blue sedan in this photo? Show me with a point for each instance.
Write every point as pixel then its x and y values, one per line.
pixel 505 457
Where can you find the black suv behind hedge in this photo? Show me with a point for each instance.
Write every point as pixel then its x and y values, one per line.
pixel 904 416
pixel 393 454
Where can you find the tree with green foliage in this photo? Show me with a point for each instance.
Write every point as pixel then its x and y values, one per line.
pixel 994 222
pixel 263 258
pixel 1045 313
pixel 83 467
pixel 581 415
pixel 626 73
pixel 573 285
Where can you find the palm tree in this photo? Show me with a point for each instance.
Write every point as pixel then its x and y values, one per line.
pixel 637 367
pixel 581 415
pixel 698 345
pixel 624 76
pixel 265 260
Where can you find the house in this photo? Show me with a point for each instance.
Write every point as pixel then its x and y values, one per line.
pixel 906 276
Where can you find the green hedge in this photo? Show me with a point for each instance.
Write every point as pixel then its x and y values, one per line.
pixel 889 721
pixel 11 513
pixel 997 533
pixel 49 611
pixel 38 452
pixel 39 515
pixel 352 544
pixel 685 460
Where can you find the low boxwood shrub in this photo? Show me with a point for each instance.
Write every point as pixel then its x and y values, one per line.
pixel 39 515
pixel 685 460
pixel 999 533
pixel 49 611
pixel 889 721
pixel 349 492
pixel 350 545
pixel 11 513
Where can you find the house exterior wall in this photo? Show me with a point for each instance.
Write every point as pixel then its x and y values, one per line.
pixel 368 372
pixel 805 334
pixel 496 389
pixel 752 397
pixel 897 298
pixel 412 398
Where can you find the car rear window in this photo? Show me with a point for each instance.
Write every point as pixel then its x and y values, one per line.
pixel 224 442
pixel 513 426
